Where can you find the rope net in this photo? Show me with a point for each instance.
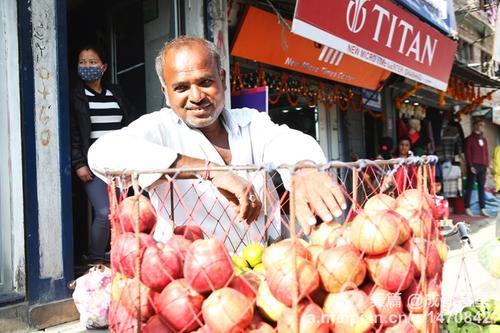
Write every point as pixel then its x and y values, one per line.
pixel 183 261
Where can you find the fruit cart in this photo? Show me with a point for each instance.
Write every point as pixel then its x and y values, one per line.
pixel 183 262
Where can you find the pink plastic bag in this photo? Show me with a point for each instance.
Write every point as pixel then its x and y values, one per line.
pixel 92 296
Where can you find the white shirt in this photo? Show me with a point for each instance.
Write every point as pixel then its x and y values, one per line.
pixel 154 141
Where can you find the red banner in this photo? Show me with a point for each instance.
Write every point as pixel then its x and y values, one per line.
pixel 381 33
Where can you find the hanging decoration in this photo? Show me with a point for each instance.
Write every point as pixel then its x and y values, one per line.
pixel 476 103
pixel 298 89
pixel 398 102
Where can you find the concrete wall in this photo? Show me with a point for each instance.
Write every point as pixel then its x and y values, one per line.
pixel 44 46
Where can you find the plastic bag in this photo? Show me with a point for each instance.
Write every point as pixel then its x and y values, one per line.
pixel 489 257
pixel 92 295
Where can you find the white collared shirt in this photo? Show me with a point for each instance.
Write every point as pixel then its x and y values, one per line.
pixel 154 141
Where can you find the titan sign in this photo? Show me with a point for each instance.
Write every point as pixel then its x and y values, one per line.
pixel 381 33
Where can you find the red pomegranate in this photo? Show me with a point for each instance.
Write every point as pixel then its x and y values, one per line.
pixel 340 266
pixel 179 306
pixel 311 319
pixel 203 329
pixel 208 265
pixel 414 199
pixel 227 311
pixel 124 251
pixel 392 271
pixel 279 251
pixel 288 279
pixel 180 246
pixel 414 299
pixel 247 284
pixel 189 231
pixel 350 311
pixel 424 253
pixel 315 251
pixel 319 234
pixel 120 320
pixel 377 233
pixel 155 325
pixel 388 305
pixel 379 203
pixel 136 295
pixel 404 326
pixel 136 208
pixel 339 237
pixel 159 266
pixel 419 220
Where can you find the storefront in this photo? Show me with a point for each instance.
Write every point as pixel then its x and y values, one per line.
pixel 310 87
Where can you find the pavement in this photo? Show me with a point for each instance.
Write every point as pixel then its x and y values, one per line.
pixel 464 279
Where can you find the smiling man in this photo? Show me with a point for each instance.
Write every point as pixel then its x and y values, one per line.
pixel 196 130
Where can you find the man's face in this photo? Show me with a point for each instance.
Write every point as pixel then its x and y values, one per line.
pixel 194 87
pixel 479 127
pixel 404 147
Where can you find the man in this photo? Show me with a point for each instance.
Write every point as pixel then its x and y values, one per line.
pixel 197 131
pixel 476 157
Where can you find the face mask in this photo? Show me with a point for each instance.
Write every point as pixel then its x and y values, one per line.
pixel 90 74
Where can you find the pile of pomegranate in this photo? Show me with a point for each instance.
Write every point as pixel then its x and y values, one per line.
pixel 378 272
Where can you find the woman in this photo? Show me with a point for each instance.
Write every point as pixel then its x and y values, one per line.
pixel 97 108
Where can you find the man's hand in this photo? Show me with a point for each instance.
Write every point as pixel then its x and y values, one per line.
pixel 240 193
pixel 84 174
pixel 316 193
pixel 473 170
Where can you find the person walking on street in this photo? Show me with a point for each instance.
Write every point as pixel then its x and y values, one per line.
pixel 476 157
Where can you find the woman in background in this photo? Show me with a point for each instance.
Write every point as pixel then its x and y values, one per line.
pixel 97 108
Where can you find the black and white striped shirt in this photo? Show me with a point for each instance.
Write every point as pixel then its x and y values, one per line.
pixel 105 113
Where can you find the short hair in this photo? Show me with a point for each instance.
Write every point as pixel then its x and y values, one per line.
pixel 185 41
pixel 404 138
pixel 477 121
pixel 98 49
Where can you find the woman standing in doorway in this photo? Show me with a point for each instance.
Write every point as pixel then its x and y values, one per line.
pixel 97 108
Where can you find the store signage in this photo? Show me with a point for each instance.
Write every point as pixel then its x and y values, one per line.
pixel 439 13
pixel 381 33
pixel 372 100
pixel 255 98
pixel 262 38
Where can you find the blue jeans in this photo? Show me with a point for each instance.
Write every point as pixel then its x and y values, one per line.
pixel 97 194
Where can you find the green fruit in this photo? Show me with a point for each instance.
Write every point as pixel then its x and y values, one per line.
pixel 239 261
pixel 491 329
pixel 259 268
pixel 471 328
pixel 252 253
pixel 451 326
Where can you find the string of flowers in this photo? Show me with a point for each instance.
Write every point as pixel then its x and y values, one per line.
pixel 296 88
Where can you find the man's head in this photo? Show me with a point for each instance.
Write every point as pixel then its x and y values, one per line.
pixel 478 125
pixel 189 69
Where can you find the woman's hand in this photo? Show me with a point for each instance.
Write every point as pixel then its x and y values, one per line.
pixel 84 174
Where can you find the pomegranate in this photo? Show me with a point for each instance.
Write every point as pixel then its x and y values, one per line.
pixel 247 284
pixel 442 249
pixel 341 266
pixel 377 233
pixel 414 299
pixel 189 231
pixel 203 329
pixel 388 305
pixel 419 220
pixel 311 320
pixel 283 249
pixel 319 234
pixel 135 296
pixel 136 208
pixel 267 304
pixel 120 320
pixel 155 325
pixel 227 310
pixel 414 199
pixel 393 271
pixel 159 266
pixel 283 282
pixel 315 251
pixel 424 253
pixel 261 327
pixel 179 306
pixel 124 252
pixel 180 246
pixel 350 311
pixel 207 266
pixel 379 203
pixel 419 321
pixel 339 237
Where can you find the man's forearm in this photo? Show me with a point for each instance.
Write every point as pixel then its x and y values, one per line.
pixel 187 162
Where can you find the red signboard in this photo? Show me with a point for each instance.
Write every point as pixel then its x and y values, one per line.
pixel 381 33
pixel 262 38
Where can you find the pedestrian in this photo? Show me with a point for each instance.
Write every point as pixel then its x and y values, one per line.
pixel 97 107
pixel 477 159
pixel 196 130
